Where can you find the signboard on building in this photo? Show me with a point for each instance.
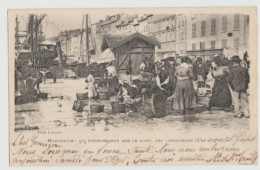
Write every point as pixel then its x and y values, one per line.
pixel 228 52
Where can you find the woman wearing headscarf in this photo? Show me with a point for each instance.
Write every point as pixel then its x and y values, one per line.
pixel 92 92
pixel 221 96
pixel 184 96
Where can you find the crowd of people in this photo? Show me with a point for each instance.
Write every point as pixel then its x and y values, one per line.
pixel 167 79
pixel 175 80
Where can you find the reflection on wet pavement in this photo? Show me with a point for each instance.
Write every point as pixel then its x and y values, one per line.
pixel 56 112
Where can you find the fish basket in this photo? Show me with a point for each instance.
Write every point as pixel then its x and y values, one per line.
pixel 77 106
pixel 96 108
pixel 82 96
pixel 118 107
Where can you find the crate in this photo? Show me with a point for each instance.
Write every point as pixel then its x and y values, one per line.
pixel 96 108
pixel 82 96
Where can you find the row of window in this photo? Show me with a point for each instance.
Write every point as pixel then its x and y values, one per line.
pixel 213 25
pixel 165 36
pixel 202 45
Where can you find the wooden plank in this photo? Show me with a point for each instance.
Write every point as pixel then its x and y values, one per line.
pixel 124 60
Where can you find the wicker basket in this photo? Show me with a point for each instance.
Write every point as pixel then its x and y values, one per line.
pixel 118 107
pixel 96 108
pixel 82 96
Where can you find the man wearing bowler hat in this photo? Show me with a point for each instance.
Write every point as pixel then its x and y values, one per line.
pixel 238 80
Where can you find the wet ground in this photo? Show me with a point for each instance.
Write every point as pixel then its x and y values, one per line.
pixel 56 112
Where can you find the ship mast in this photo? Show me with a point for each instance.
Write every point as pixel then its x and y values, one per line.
pixel 87 43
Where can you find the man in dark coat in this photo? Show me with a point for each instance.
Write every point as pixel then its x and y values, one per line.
pixel 200 72
pixel 238 80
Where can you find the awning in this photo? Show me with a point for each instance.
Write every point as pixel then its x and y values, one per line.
pixel 104 57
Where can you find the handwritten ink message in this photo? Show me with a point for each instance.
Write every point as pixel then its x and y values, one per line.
pixel 28 151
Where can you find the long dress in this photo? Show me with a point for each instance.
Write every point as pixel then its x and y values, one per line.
pixel 91 86
pixel 221 96
pixel 184 97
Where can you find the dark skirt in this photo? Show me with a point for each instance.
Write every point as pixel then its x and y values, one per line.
pixel 221 96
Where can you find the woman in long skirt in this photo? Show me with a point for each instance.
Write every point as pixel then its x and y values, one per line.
pixel 184 96
pixel 221 96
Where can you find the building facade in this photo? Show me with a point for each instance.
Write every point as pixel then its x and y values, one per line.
pixel 200 35
pixel 163 27
pixel 181 34
pixel 213 34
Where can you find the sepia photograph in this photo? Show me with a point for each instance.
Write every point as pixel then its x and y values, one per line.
pixel 114 79
pixel 125 69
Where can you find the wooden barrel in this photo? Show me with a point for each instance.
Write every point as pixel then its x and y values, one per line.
pixel 82 96
pixel 96 108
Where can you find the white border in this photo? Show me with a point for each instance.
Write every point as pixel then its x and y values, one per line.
pixel 26 4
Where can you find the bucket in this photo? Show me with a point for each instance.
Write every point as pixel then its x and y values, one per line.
pixel 83 102
pixel 118 107
pixel 77 106
pixel 103 95
pixel 43 95
pixel 82 96
pixel 96 108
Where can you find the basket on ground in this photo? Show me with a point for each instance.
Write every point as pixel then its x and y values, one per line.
pixel 82 96
pixel 118 107
pixel 96 108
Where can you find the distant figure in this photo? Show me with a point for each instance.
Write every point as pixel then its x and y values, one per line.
pixel 239 80
pixel 112 79
pixel 145 68
pixel 221 96
pixel 200 73
pixel 245 62
pixel 102 75
pixel 54 75
pixel 184 97
pixel 129 72
pixel 44 72
pixel 92 92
